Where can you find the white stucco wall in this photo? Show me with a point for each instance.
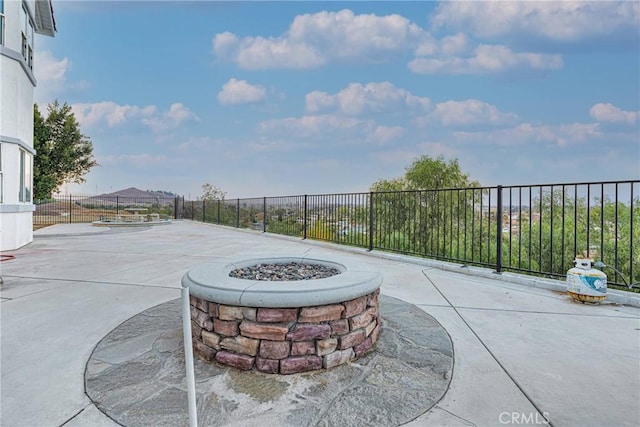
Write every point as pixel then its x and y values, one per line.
pixel 16 106
pixel 16 229
pixel 16 130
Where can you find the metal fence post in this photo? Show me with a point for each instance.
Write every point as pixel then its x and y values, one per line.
pixel 218 216
pixel 175 207
pixel 193 211
pixel 499 232
pixel 304 218
pixel 371 221
pixel 204 205
pixel 264 214
pixel 237 213
pixel 70 212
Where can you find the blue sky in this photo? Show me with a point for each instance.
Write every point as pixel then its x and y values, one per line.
pixel 276 98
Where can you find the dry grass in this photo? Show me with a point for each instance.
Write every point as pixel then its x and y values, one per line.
pixel 64 213
pixel 39 226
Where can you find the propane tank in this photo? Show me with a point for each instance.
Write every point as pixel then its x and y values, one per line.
pixel 585 283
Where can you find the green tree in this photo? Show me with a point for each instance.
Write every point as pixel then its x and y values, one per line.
pixel 426 210
pixel 212 199
pixel 426 173
pixel 63 153
pixel 395 184
pixel 211 192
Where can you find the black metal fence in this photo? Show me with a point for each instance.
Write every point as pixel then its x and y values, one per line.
pixel 532 229
pixel 80 209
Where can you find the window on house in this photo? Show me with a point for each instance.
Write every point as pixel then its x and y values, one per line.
pixel 1 177
pixel 1 22
pixel 27 36
pixel 24 194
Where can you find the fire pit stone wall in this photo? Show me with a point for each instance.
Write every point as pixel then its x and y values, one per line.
pixel 285 340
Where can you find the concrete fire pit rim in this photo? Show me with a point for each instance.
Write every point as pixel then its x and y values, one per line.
pixel 210 281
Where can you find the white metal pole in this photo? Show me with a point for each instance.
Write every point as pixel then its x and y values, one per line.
pixel 188 358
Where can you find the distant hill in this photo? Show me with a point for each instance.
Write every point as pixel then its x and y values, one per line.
pixel 130 196
pixel 168 193
pixel 136 193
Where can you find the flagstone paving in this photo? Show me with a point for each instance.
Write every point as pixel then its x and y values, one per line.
pixel 136 376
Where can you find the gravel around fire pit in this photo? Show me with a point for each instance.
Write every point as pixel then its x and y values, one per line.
pixel 284 272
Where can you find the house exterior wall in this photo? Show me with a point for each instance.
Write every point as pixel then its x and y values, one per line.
pixel 17 84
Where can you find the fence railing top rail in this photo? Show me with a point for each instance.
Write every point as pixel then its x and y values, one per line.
pixel 434 190
pixel 571 184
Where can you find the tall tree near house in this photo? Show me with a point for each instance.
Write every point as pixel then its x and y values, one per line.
pixel 43 181
pixel 63 153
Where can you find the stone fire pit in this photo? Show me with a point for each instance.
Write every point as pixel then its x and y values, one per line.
pixel 282 326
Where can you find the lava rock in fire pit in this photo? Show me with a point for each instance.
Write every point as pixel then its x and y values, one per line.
pixel 284 272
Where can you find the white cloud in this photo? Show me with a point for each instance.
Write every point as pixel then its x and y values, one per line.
pixel 384 134
pixel 51 76
pixel 260 53
pixel 470 112
pixel 564 21
pixel 264 145
pixel 357 99
pixel 609 113
pixel 307 126
pixel 196 144
pixel 576 132
pixel 317 101
pixel 326 129
pixel 526 133
pixel 313 40
pixel 94 114
pixel 523 133
pixel 240 92
pixel 453 45
pixel 352 36
pixel 176 116
pixel 486 59
pixel 50 69
pixel 225 44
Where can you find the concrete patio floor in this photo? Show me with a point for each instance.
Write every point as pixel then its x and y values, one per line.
pixel 522 354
